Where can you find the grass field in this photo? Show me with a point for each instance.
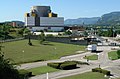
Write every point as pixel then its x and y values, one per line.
pixel 42 70
pixel 88 75
pixel 92 57
pixel 21 52
pixel 113 55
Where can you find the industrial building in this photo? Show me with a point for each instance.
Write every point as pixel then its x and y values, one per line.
pixel 42 18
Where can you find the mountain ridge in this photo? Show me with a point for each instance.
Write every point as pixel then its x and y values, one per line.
pixel 112 18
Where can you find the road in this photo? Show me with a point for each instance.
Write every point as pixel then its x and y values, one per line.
pixel 103 61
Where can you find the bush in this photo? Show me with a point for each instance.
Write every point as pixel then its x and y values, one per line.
pixel 24 74
pixel 106 72
pixel 81 63
pixel 49 35
pixel 68 65
pixel 63 65
pixel 118 53
pixel 54 65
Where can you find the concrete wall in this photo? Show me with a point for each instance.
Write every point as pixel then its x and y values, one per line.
pixel 51 21
pixel 48 28
pixel 29 21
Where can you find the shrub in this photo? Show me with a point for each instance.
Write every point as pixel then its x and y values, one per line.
pixel 68 65
pixel 49 35
pixel 106 72
pixel 54 65
pixel 118 53
pixel 81 63
pixel 63 65
pixel 24 74
pixel 96 70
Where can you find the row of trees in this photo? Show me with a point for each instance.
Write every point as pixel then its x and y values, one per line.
pixel 109 33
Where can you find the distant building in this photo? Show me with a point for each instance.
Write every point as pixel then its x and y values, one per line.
pixel 41 18
pixel 15 23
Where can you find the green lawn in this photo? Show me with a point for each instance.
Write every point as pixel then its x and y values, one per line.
pixel 92 57
pixel 113 55
pixel 21 52
pixel 88 75
pixel 42 70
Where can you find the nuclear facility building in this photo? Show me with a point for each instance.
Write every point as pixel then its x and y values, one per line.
pixel 42 18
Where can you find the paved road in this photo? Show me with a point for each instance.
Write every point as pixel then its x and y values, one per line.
pixel 43 63
pixel 103 61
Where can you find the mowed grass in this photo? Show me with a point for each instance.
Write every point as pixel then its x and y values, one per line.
pixel 42 70
pixel 113 55
pixel 20 51
pixel 92 57
pixel 88 75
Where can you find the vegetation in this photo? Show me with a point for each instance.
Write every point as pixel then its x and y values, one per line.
pixel 9 32
pixel 42 70
pixel 24 74
pixel 106 72
pixel 21 52
pixel 4 31
pixel 92 57
pixel 118 53
pixel 113 55
pixel 81 63
pixel 42 37
pixel 68 32
pixel 88 75
pixel 108 33
pixel 7 70
pixel 63 65
pixel 66 65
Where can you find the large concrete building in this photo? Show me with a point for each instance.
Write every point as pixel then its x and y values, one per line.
pixel 42 18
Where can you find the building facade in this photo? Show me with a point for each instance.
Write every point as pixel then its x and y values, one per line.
pixel 41 18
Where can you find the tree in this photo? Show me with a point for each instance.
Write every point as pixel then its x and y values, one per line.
pixel 85 33
pixel 27 31
pixel 42 37
pixel 118 53
pixel 4 31
pixel 21 31
pixel 7 70
pixel 68 32
pixel 29 42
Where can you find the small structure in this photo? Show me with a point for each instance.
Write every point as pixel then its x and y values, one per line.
pixel 92 48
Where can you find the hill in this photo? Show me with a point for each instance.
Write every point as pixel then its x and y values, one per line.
pixel 112 18
pixel 92 20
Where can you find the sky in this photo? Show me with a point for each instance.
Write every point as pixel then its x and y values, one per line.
pixel 69 9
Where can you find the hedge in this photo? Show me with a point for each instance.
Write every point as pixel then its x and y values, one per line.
pixel 67 66
pixel 106 72
pixel 24 74
pixel 81 63
pixel 54 65
pixel 63 65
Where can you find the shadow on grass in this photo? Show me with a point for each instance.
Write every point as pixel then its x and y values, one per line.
pixel 48 44
pixel 97 51
pixel 71 68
